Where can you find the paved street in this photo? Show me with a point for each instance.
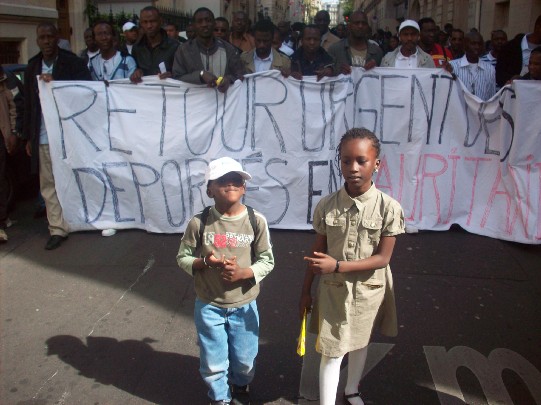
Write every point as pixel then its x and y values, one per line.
pixel 109 321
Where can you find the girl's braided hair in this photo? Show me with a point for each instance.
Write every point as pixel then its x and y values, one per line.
pixel 357 133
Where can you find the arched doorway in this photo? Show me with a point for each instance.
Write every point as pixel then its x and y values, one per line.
pixel 415 10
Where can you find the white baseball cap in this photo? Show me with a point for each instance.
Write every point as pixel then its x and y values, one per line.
pixel 128 26
pixel 220 167
pixel 409 23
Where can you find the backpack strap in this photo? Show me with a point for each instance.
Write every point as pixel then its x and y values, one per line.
pixel 253 222
pixel 204 217
pixel 251 217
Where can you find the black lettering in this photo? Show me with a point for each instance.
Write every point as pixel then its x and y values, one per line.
pixel 138 184
pixel 167 208
pixel 115 190
pixel 384 106
pixel 282 185
pixel 311 191
pixel 97 175
pixel 85 107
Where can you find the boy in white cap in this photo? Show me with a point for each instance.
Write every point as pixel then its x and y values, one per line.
pixel 408 55
pixel 227 250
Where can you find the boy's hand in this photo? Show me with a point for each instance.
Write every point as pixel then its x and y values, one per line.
pixel 232 272
pixel 213 261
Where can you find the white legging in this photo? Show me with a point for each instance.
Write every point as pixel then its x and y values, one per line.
pixel 329 374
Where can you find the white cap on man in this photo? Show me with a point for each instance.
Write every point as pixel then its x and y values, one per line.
pixel 128 26
pixel 220 167
pixel 409 23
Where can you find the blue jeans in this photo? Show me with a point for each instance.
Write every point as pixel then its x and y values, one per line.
pixel 228 344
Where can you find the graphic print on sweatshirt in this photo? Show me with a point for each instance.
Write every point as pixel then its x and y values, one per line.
pixel 228 239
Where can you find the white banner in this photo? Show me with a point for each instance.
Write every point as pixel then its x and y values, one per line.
pixel 134 156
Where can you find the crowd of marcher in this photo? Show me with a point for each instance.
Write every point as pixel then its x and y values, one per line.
pixel 216 53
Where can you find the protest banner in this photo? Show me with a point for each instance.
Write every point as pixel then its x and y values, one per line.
pixel 134 156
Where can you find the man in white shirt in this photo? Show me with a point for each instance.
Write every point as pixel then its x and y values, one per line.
pixel 479 77
pixel 264 56
pixel 408 55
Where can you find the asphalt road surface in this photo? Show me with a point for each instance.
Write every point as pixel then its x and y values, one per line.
pixel 109 321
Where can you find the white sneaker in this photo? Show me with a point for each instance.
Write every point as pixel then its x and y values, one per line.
pixel 108 232
pixel 3 236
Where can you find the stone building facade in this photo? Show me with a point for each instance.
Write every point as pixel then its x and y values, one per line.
pixel 513 16
pixel 19 18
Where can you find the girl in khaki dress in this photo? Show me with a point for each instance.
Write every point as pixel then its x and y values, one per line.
pixel 356 228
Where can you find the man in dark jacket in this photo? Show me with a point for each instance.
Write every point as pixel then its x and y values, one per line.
pixel 155 51
pixel 206 59
pixel 51 63
pixel 514 57
pixel 356 50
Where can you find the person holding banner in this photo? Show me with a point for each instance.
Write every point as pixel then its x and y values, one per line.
pixel 154 51
pixel 534 66
pixel 356 49
pixel 51 63
pixel 427 42
pixel 206 59
pixel 514 56
pixel 264 57
pixel 356 231
pixel 311 59
pixel 227 250
pixel 109 64
pixel 408 55
pixel 478 76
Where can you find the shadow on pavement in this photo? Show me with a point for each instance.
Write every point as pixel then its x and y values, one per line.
pixel 133 366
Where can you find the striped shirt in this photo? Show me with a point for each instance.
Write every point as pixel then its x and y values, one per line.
pixel 479 79
pixel 493 61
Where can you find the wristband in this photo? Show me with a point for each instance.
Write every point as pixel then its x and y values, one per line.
pixel 337 267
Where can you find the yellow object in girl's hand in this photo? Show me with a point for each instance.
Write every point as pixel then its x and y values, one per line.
pixel 219 80
pixel 301 344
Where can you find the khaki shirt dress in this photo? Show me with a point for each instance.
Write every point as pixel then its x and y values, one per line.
pixel 350 306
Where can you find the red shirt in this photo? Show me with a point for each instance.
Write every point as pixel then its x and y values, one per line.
pixel 440 54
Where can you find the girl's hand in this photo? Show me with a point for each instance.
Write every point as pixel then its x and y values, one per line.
pixel 305 304
pixel 213 261
pixel 321 263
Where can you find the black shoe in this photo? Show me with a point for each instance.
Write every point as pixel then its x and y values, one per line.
pixel 240 395
pixel 55 241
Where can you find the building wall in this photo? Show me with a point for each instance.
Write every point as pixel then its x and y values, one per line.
pixel 513 16
pixel 18 20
